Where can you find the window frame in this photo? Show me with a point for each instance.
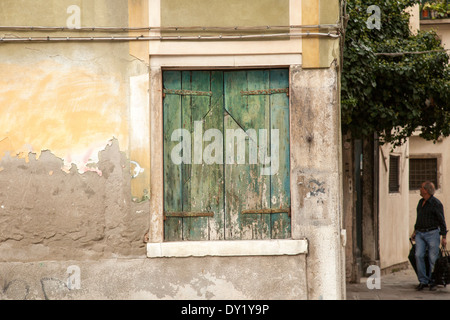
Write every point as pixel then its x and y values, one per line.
pixel 156 246
pixel 227 55
pixel 437 157
pixel 394 188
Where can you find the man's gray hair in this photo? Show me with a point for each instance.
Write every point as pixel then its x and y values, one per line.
pixel 429 187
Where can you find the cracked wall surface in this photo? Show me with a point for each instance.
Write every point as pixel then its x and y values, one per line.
pixel 47 213
pixel 73 166
pixel 207 278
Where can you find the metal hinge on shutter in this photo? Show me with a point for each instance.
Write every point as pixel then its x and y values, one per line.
pixel 265 92
pixel 268 211
pixel 187 92
pixel 187 214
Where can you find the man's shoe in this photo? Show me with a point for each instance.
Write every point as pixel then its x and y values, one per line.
pixel 433 287
pixel 421 286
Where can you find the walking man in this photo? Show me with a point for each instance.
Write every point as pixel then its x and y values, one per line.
pixel 430 226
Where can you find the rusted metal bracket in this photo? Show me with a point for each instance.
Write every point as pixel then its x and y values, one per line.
pixel 265 92
pixel 187 214
pixel 268 211
pixel 187 92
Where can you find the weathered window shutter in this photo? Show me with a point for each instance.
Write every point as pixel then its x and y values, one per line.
pixel 235 192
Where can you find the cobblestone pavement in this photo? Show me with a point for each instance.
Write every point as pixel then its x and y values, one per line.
pixel 400 285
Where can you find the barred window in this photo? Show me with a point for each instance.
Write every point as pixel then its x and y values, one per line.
pixel 421 170
pixel 394 174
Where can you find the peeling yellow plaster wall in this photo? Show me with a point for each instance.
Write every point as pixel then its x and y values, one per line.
pixel 310 16
pixel 69 110
pixel 139 137
pixel 138 16
pixel 73 98
pixel 319 52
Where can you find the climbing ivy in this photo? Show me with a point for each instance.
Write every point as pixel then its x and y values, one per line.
pixel 397 93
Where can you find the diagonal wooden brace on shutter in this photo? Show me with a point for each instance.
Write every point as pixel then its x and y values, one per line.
pixel 267 211
pixel 187 92
pixel 187 214
pixel 265 92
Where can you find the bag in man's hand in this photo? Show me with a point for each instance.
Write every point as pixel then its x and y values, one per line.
pixel 441 272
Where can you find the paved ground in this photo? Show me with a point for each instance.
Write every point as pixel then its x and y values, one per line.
pixel 396 286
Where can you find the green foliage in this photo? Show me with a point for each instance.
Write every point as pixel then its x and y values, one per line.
pixel 393 95
pixel 440 9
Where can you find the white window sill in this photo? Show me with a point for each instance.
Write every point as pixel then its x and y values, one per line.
pixel 227 248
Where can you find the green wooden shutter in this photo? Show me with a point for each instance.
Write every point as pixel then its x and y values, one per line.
pixel 230 199
pixel 172 173
pixel 280 182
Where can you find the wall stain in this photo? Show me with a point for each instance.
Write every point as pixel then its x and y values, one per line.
pixel 315 188
pixel 87 212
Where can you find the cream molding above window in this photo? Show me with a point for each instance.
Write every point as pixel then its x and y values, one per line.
pixel 227 248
